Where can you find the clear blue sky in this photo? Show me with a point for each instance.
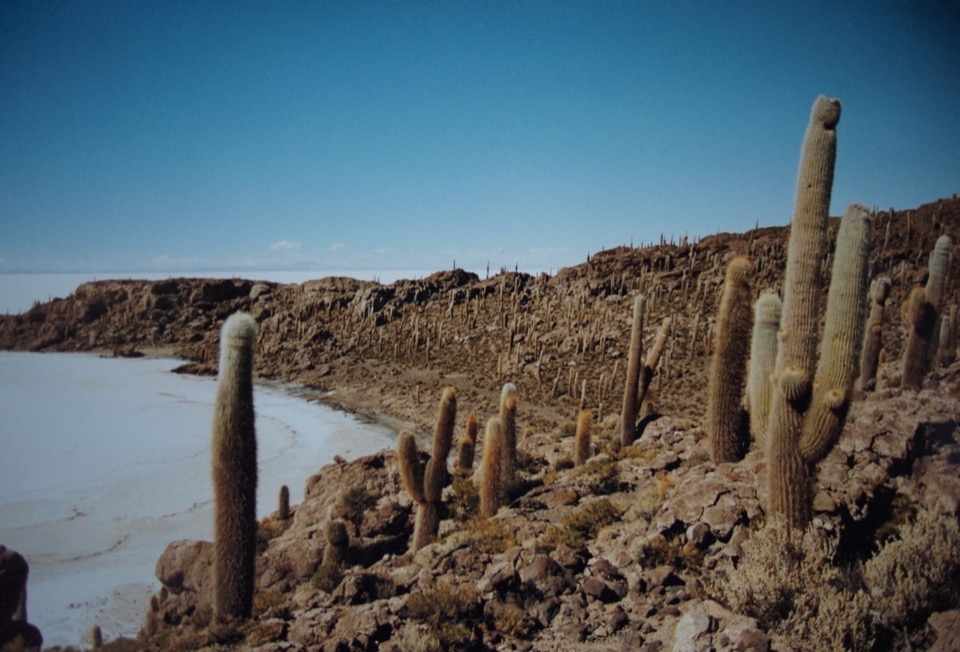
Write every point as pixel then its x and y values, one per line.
pixel 148 135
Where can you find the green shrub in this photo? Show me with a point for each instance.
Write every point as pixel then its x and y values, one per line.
pixel 353 504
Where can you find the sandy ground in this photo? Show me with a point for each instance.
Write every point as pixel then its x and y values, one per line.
pixel 107 461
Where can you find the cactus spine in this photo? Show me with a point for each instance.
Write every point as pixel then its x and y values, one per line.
pixel 923 312
pixel 628 417
pixel 491 487
pixel 581 444
pixel 728 368
pixel 872 339
pixel 763 358
pixel 235 471
pixel 425 486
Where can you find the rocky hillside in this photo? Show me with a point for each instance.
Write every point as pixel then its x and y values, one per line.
pixel 648 547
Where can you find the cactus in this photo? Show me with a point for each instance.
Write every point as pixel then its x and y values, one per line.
pixel 468 445
pixel 807 418
pixel 807 414
pixel 944 350
pixel 628 417
pixel 508 425
pixel 283 508
pixel 763 357
pixel 491 484
pixel 235 471
pixel 581 446
pixel 923 338
pixel 653 358
pixel 726 425
pixel 842 334
pixel 96 638
pixel 338 543
pixel 922 319
pixel 425 486
pixel 872 339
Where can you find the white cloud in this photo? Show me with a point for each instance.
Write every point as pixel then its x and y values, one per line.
pixel 337 246
pixel 285 245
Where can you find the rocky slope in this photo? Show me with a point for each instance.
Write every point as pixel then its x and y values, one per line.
pixel 631 550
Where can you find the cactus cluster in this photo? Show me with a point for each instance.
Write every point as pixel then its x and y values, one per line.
pixel 234 454
pixel 425 485
pixel 808 410
pixel 639 376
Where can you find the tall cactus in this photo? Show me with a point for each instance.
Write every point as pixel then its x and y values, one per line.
pixel 491 483
pixel 725 421
pixel 235 471
pixel 425 486
pixel 805 421
pixel 924 311
pixel 628 417
pixel 763 358
pixel 873 337
pixel 508 424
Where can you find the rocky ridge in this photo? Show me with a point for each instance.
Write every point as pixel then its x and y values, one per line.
pixel 625 551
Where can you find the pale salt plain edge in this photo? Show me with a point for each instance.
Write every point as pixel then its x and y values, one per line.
pixel 106 461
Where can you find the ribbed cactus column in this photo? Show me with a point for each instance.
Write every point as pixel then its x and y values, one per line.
pixel 628 417
pixel 796 353
pixel 725 423
pixel 842 336
pixel 491 488
pixel 873 337
pixel 235 471
pixel 924 312
pixel 508 426
pixel 763 358
pixel 468 445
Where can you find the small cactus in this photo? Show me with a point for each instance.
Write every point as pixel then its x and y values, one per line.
pixel 234 457
pixel 763 357
pixel 283 509
pixel 873 340
pixel 96 638
pixel 338 542
pixel 468 445
pixel 581 446
pixel 491 484
pixel 725 420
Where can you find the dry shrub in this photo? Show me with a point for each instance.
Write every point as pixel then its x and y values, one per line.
pixel 789 583
pixel 466 498
pixel 599 476
pixel 489 535
pixel 353 503
pixel 448 612
pixel 659 550
pixel 918 573
pixel 581 526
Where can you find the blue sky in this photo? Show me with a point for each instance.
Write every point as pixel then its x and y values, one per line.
pixel 156 136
